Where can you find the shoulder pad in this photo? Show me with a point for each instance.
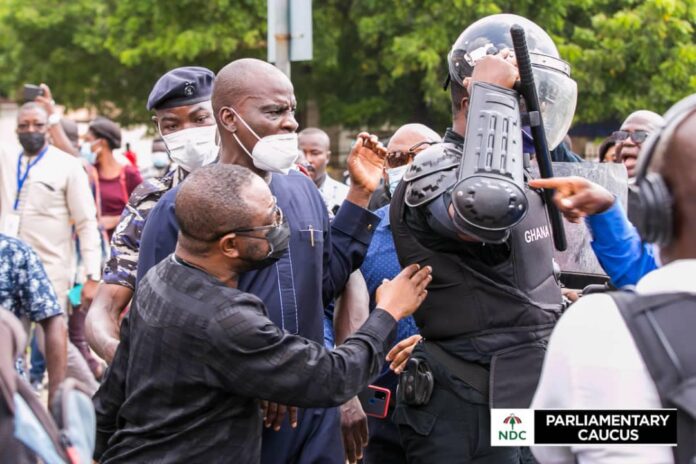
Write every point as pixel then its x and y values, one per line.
pixel 156 186
pixel 432 173
pixel 435 158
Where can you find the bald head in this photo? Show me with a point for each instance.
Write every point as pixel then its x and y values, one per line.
pixel 636 124
pixel 644 118
pixel 242 79
pixel 317 134
pixel 251 100
pixel 409 135
pixel 677 168
pixel 315 146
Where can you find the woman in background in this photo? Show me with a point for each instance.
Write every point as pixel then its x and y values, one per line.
pixel 116 181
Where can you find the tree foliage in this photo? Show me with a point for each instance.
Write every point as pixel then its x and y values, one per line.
pixel 375 61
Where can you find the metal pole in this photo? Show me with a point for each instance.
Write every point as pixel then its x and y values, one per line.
pixel 282 36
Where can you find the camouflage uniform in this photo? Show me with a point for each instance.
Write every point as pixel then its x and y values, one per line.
pixel 125 243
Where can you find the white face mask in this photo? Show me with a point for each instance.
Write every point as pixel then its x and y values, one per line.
pixel 273 153
pixel 395 175
pixel 192 148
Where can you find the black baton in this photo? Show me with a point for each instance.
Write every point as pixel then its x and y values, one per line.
pixel 541 147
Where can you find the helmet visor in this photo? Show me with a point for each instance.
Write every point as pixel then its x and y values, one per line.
pixel 558 95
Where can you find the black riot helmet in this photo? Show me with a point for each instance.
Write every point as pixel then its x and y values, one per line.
pixel 556 90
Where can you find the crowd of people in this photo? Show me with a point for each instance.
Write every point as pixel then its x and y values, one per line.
pixel 235 305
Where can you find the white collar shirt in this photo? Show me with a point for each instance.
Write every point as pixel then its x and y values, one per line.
pixel 593 363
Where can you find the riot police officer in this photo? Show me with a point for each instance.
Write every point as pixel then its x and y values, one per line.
pixel 464 208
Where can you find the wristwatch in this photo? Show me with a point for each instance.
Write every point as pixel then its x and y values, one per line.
pixel 54 119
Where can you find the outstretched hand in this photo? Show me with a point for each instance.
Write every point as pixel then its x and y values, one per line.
pixel 576 197
pixel 399 354
pixel 402 295
pixel 366 162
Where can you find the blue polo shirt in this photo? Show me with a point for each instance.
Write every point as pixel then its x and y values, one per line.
pixel 619 248
pixel 320 257
pixel 381 262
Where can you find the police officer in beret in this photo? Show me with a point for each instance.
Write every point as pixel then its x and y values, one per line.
pixel 464 208
pixel 183 116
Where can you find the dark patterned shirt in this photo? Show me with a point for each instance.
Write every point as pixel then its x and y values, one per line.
pixel 24 287
pixel 194 357
pixel 125 241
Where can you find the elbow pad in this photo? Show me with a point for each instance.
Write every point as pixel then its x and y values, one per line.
pixel 489 197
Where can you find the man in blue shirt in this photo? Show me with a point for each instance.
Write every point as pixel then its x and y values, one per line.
pixel 382 263
pixel 615 241
pixel 254 106
pixel 27 293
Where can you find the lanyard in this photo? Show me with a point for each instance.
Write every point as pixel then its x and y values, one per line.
pixel 21 179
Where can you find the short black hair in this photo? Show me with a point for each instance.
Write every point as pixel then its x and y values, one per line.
pixel 457 94
pixel 105 128
pixel 210 203
pixel 604 148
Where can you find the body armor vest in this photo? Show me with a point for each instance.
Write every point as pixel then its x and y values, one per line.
pixel 514 302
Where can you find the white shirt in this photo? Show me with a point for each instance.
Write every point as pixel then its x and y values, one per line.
pixel 55 197
pixel 593 363
pixel 333 192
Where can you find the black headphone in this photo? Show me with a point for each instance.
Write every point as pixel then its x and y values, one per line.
pixel 651 207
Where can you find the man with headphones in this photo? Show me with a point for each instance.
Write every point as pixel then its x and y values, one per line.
pixel 627 365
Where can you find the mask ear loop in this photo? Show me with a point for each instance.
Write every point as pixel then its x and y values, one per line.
pixel 248 127
pixel 159 131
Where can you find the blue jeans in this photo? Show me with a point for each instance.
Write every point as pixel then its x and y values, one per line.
pixel 38 363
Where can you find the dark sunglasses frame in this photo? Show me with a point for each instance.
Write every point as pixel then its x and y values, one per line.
pixel 245 232
pixel 278 214
pixel 638 136
pixel 399 158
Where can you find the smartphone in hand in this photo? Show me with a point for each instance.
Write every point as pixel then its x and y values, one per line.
pixel 375 401
pixel 31 91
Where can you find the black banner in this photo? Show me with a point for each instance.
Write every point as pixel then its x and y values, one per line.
pixel 609 426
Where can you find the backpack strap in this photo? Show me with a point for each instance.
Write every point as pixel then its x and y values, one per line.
pixel 662 328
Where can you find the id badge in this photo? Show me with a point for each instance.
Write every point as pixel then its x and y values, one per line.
pixel 10 225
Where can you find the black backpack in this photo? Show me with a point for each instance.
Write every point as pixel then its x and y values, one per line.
pixel 662 326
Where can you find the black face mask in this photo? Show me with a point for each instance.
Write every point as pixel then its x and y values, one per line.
pixel 32 142
pixel 278 240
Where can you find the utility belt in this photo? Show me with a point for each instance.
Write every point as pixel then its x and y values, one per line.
pixel 509 382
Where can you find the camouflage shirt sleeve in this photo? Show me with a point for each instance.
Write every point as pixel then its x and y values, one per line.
pixel 121 268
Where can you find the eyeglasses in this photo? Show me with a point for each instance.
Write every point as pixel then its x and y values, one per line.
pixel 638 136
pixel 277 222
pixel 399 158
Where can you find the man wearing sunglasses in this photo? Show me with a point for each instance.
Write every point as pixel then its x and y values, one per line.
pixel 381 262
pixel 254 106
pixel 634 131
pixel 197 351
pixel 404 145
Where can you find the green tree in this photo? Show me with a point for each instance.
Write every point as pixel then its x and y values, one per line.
pixel 641 55
pixel 375 62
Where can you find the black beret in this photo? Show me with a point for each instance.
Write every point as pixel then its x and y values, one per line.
pixel 181 87
pixel 105 128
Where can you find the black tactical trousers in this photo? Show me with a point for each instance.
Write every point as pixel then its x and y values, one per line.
pixel 453 428
pixel 384 446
